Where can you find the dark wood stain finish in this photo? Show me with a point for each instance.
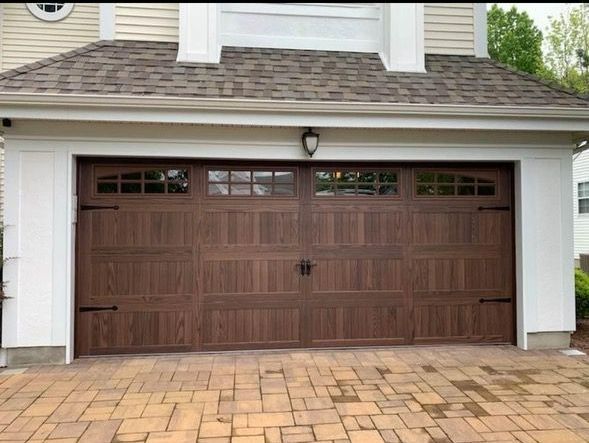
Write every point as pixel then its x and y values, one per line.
pixel 194 271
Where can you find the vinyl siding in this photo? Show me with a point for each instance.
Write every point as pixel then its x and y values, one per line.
pixel 24 38
pixel 580 174
pixel 147 21
pixel 449 28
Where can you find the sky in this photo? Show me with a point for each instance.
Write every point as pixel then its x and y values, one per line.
pixel 539 12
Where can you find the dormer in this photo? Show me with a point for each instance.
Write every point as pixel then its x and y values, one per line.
pixel 401 33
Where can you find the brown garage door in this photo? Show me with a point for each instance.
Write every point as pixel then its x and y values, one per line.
pixel 184 256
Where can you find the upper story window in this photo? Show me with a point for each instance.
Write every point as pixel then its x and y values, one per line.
pixel 50 12
pixel 583 196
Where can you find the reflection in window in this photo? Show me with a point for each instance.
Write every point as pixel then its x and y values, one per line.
pixel 583 196
pixel 135 180
pixel 251 183
pixel 448 184
pixel 353 183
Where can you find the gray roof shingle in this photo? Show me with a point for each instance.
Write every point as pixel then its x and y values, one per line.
pixel 150 69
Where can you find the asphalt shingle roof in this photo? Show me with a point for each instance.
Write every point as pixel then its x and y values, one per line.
pixel 150 69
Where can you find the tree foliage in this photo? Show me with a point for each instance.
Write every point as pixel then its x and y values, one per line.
pixel 567 56
pixel 513 39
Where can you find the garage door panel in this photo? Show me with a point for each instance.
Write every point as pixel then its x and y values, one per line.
pixel 364 324
pixel 358 228
pixel 458 228
pixel 241 228
pixel 458 274
pixel 357 275
pixel 253 326
pixel 251 276
pixel 142 278
pixel 126 228
pixel 113 332
pixel 451 322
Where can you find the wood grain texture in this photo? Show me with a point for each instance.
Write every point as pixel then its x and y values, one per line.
pixel 200 272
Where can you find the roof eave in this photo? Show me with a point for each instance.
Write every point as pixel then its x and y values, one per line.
pixel 289 113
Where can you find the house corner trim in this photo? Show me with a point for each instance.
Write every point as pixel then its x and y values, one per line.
pixel 403 46
pixel 480 30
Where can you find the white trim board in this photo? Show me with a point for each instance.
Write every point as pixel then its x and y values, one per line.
pixel 291 113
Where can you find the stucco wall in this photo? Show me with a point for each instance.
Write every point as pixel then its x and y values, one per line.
pixel 40 207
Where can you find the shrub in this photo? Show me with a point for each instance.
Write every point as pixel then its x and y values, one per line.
pixel 581 293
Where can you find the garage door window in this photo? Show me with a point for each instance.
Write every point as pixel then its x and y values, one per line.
pixel 251 183
pixel 447 184
pixel 137 181
pixel 354 183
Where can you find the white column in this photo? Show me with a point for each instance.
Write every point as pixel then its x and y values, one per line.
pixel 198 39
pixel 544 241
pixel 403 46
pixel 480 30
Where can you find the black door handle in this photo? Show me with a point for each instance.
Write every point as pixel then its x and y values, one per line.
pixel 98 308
pixel 495 300
pixel 302 265
pixel 96 207
pixel 494 208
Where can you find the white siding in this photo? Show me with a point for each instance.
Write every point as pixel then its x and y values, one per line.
pixel 580 174
pixel 147 21
pixel 24 38
pixel 449 28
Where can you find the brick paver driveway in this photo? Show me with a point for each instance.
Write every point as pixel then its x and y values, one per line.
pixel 442 394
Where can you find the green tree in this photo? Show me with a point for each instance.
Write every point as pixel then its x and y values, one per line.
pixel 567 56
pixel 514 39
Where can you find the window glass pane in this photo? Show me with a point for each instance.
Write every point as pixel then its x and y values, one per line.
pixel 107 188
pixel 343 177
pixel 446 190
pixel 388 190
pixel 218 189
pixel 131 188
pixel 583 189
pixel 465 179
pixel 367 177
pixel 156 174
pixel 584 206
pixel 178 174
pixel 283 189
pixel 486 190
pixel 426 177
pixel 263 176
pixel 108 177
pixel 387 177
pixel 324 176
pixel 178 188
pixel 324 189
pixel 263 189
pixel 346 190
pixel 241 189
pixel 241 176
pixel 466 190
pixel 366 189
pixel 154 188
pixel 131 176
pixel 425 190
pixel 445 178
pixel 284 177
pixel 218 176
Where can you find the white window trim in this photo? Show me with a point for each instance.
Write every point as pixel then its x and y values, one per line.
pixel 50 17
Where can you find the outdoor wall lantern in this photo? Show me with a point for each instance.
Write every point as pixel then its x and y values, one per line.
pixel 310 142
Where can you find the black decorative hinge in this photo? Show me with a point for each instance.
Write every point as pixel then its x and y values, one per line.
pixel 494 208
pixel 98 308
pixel 97 207
pixel 495 300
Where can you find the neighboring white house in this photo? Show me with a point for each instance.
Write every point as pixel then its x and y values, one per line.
pixel 581 202
pixel 218 176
